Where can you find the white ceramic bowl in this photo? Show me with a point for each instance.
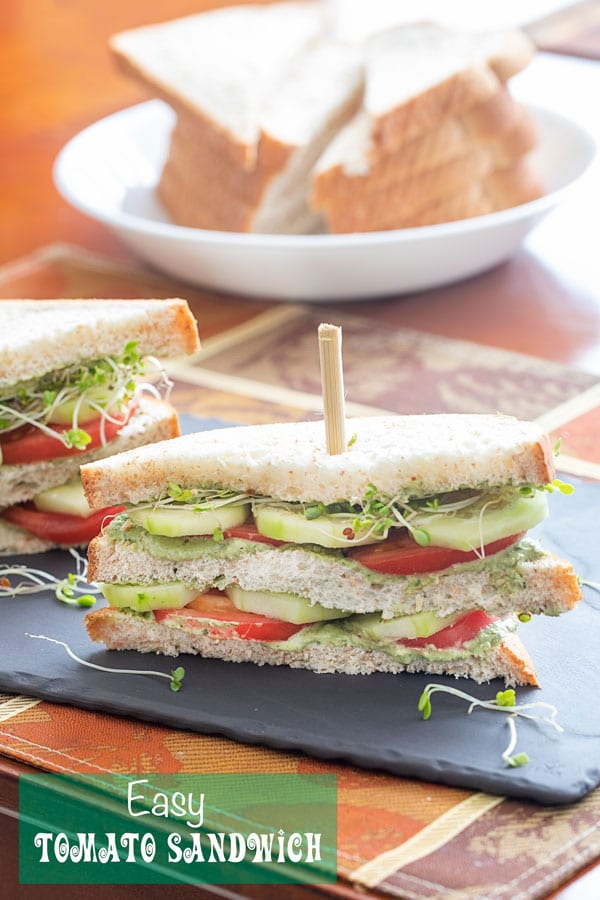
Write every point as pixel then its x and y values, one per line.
pixel 110 171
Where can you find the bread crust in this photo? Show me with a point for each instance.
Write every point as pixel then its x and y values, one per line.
pixel 40 336
pixel 445 195
pixel 421 455
pixel 119 631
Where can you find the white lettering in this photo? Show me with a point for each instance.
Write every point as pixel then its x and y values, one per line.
pixel 161 805
pixel 164 805
pixel 109 853
pixel 42 839
pixel 128 841
pixel 281 845
pixel 177 804
pixel 173 842
pixel 61 847
pixel 262 844
pixel 194 853
pixel 148 848
pixel 216 846
pixel 237 847
pixel 294 847
pixel 313 852
pixel 130 798
pixel 86 849
pixel 199 811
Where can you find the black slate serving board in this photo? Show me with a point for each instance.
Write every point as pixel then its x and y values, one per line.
pixel 371 721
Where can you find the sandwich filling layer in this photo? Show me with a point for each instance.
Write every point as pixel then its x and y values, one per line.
pixel 425 636
pixel 68 410
pixel 370 575
pixel 454 551
pixel 49 425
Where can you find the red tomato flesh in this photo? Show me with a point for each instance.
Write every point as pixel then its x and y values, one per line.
pixel 461 632
pixel 60 528
pixel 249 532
pixel 205 609
pixel 402 556
pixel 29 444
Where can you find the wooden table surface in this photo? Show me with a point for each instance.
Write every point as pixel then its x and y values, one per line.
pixel 56 77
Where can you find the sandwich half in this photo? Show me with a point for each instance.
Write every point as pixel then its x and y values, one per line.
pixel 407 552
pixel 70 373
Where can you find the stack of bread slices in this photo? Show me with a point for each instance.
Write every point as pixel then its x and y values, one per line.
pixel 281 128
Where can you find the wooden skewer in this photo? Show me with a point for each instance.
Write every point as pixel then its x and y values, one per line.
pixel 332 386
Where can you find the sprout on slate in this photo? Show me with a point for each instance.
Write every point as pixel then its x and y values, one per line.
pixel 504 701
pixel 73 590
pixel 175 677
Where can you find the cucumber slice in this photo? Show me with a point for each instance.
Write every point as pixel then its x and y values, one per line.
pixel 63 413
pixel 173 522
pixel 64 498
pixel 464 531
pixel 372 626
pixel 145 597
pixel 288 607
pixel 284 524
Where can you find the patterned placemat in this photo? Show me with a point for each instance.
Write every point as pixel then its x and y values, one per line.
pixel 396 836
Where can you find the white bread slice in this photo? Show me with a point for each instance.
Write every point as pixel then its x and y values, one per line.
pixel 38 336
pixel 443 74
pixel 203 188
pixel 154 420
pixel 549 584
pixel 426 149
pixel 418 454
pixel 120 631
pixel 220 65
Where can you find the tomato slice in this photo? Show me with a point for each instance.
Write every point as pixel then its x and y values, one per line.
pixel 205 609
pixel 402 556
pixel 59 527
pixel 463 630
pixel 249 532
pixel 29 444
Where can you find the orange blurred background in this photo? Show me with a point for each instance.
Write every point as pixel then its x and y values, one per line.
pixel 56 77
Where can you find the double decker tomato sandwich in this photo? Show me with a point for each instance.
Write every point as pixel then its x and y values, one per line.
pixel 407 552
pixel 70 394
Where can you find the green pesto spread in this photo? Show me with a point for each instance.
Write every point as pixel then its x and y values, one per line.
pixel 341 633
pixel 181 548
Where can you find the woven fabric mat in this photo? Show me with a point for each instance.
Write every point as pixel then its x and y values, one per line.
pixel 396 836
